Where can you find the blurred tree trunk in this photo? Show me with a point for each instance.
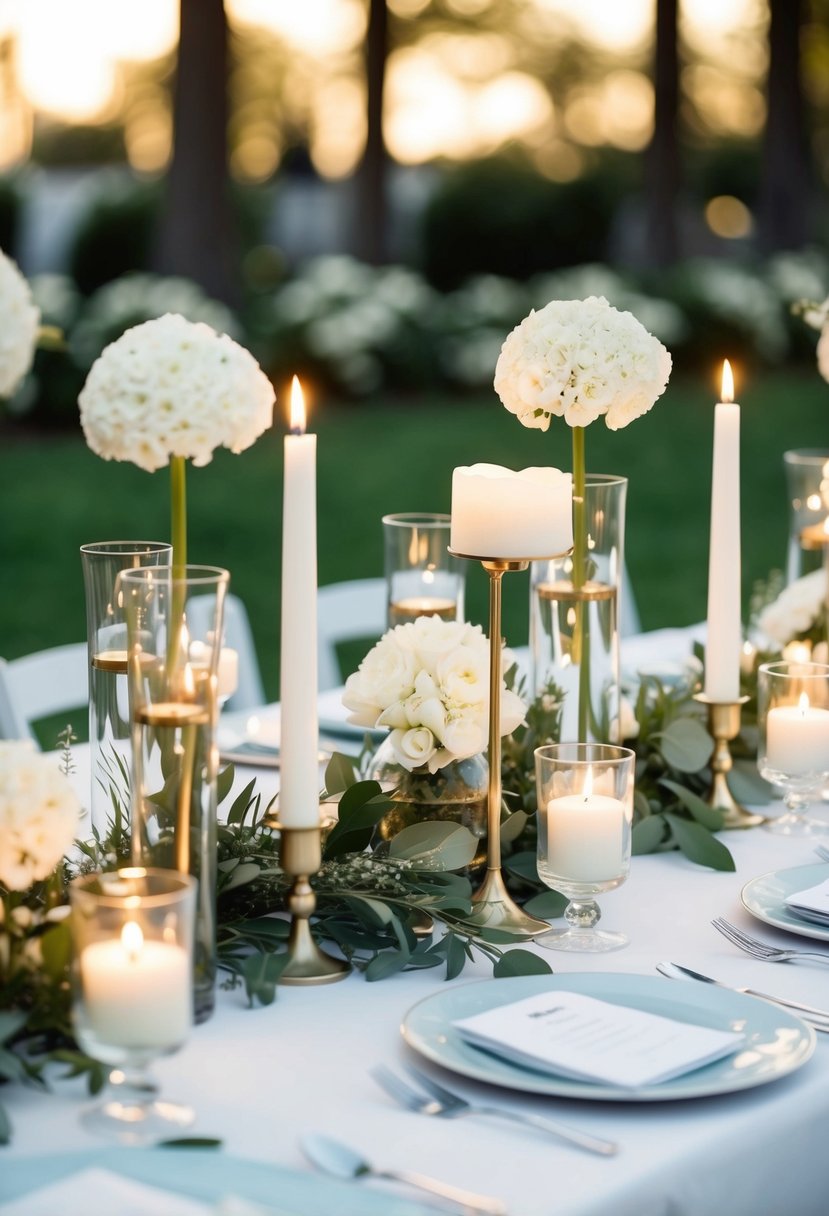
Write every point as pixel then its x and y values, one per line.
pixel 196 235
pixel 662 172
pixel 372 219
pixel 786 178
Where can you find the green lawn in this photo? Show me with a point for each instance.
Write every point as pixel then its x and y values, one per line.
pixel 398 456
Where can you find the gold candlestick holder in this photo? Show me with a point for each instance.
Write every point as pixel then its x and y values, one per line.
pixel 724 725
pixel 300 857
pixel 492 905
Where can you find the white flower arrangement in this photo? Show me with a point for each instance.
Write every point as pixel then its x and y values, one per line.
pixel 174 388
pixel 39 815
pixel 20 328
pixel 428 681
pixel 580 360
pixel 798 610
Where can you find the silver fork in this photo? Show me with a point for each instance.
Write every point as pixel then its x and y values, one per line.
pixel 434 1099
pixel 757 949
pixel 822 852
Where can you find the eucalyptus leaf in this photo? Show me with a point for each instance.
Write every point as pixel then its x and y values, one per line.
pixel 698 845
pixel 5 1126
pixel 10 1022
pixel 11 1066
pixel 547 904
pixel 241 803
pixel 512 827
pixel 245 872
pixel 224 782
pixel 56 950
pixel 685 744
pixel 524 865
pixel 385 964
pixel 435 846
pixel 340 774
pixel 648 834
pixel 455 957
pixel 701 811
pixel 200 1142
pixel 520 962
pixel 747 786
pixel 260 973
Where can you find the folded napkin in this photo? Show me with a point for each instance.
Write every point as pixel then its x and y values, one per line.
pixel 812 904
pixel 576 1036
pixel 99 1192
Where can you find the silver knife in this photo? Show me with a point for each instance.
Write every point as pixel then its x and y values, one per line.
pixel 819 1018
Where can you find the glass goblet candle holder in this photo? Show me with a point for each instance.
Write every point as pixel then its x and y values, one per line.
pixel 793 749
pixel 585 814
pixel 132 933
pixel 422 577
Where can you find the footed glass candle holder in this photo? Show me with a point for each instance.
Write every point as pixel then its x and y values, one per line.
pixel 174 630
pixel 132 933
pixel 793 749
pixel 807 481
pixel 585 815
pixel 422 577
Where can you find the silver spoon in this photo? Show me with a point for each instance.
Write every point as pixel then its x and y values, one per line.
pixel 336 1158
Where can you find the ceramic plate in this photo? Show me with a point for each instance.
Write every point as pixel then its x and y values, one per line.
pixel 763 897
pixel 209 1176
pixel 776 1041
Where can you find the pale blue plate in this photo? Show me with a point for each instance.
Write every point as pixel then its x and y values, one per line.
pixel 210 1175
pixel 763 897
pixel 776 1042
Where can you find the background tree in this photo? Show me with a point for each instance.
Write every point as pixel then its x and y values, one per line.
pixel 786 177
pixel 371 231
pixel 662 159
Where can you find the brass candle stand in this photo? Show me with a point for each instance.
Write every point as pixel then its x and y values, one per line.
pixel 300 857
pixel 724 725
pixel 492 905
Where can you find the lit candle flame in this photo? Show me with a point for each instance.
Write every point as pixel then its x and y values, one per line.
pixel 297 408
pixel 826 526
pixel 132 939
pixel 803 702
pixel 188 681
pixel 587 788
pixel 727 382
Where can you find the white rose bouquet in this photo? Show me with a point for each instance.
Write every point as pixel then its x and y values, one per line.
pixel 20 330
pixel 798 614
pixel 170 390
pixel 580 360
pixel 428 681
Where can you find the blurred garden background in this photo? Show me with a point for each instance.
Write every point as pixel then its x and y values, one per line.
pixel 372 193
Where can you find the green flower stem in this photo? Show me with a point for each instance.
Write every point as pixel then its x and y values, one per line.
pixel 178 512
pixel 581 631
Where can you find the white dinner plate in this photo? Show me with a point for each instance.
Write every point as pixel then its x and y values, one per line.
pixel 209 1175
pixel 776 1042
pixel 764 898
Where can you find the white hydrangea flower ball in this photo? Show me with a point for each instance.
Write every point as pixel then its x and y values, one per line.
pixel 172 387
pixel 19 330
pixel 580 360
pixel 39 815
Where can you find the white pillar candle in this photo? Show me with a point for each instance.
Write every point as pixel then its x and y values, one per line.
pixel 497 512
pixel 228 666
pixel 797 739
pixel 586 837
pixel 136 993
pixel 725 633
pixel 299 775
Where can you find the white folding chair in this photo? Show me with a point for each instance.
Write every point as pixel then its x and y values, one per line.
pixel 39 685
pixel 346 612
pixel 629 622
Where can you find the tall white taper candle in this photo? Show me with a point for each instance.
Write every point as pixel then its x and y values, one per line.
pixel 725 635
pixel 299 747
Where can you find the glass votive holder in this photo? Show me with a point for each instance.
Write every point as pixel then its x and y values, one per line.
pixel 422 577
pixel 807 480
pixel 132 981
pixel 585 817
pixel 793 744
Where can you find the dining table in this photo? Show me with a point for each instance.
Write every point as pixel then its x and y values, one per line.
pixel 261 1078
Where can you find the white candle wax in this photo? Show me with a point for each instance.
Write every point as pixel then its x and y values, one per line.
pixel 586 837
pixel 137 998
pixel 725 634
pixel 797 740
pixel 497 512
pixel 228 667
pixel 299 776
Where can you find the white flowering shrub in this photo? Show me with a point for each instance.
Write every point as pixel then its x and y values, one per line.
pixel 39 815
pixel 172 387
pixel 428 682
pixel 580 360
pixel 19 328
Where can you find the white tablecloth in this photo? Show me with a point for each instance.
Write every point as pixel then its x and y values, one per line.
pixel 259 1078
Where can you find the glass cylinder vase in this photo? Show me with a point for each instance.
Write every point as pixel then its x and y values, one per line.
pixel 173 668
pixel 574 616
pixel 807 482
pixel 106 636
pixel 422 577
pixel 456 793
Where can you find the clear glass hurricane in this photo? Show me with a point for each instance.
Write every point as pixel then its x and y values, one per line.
pixel 132 988
pixel 793 745
pixel 585 814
